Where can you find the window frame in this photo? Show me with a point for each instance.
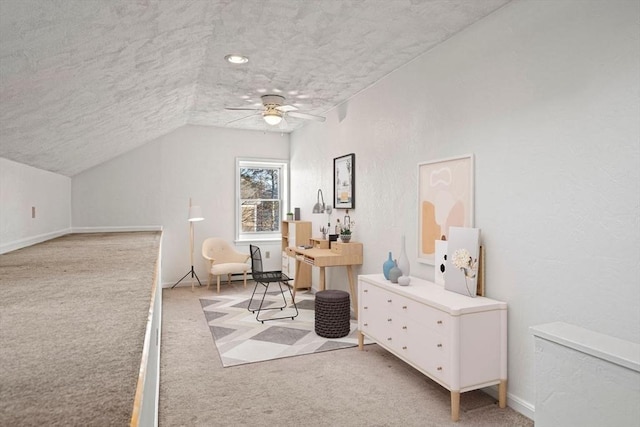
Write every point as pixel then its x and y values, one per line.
pixel 283 165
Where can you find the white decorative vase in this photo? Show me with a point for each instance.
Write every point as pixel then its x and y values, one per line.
pixel 403 260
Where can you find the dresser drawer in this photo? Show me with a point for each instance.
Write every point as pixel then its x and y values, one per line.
pixel 373 312
pixel 374 325
pixel 430 318
pixel 373 299
pixel 427 349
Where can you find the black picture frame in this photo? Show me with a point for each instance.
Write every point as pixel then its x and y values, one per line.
pixel 344 182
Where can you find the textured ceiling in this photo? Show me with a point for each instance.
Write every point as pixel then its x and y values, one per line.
pixel 82 81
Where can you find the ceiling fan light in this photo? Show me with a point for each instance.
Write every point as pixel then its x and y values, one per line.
pixel 272 117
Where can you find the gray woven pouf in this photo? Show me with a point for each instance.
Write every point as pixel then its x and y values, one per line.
pixel 332 314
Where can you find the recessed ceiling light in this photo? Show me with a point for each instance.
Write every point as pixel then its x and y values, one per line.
pixel 236 59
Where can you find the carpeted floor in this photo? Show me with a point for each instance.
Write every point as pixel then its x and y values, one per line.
pixel 73 312
pixel 347 387
pixel 240 338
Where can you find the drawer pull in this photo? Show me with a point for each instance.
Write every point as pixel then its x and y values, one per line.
pixel 365 290
pixel 366 324
pixel 366 307
pixel 439 368
pixel 439 345
pixel 389 320
pixel 404 347
pixel 404 307
pixel 388 300
pixel 439 322
pixel 389 339
pixel 404 327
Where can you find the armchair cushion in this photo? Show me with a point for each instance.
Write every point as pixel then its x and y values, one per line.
pixel 229 268
pixel 224 259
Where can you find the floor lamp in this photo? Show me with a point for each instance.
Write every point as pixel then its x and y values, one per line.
pixel 195 214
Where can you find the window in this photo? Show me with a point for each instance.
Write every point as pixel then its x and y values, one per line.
pixel 262 197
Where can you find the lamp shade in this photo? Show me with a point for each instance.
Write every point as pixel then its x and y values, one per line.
pixel 195 213
pixel 319 207
pixel 272 117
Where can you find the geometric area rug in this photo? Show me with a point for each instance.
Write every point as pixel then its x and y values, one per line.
pixel 241 339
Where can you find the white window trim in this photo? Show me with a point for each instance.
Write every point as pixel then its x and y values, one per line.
pixel 258 162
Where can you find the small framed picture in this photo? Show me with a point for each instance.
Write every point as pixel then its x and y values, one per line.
pixel 344 182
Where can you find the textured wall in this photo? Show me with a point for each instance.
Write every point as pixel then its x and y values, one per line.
pixel 545 95
pixel 23 187
pixel 152 185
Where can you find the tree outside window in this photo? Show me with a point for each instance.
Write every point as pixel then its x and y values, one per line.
pixel 261 197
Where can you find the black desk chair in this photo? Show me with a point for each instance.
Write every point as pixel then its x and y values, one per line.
pixel 264 278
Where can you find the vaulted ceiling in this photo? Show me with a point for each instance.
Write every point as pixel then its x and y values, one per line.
pixel 83 81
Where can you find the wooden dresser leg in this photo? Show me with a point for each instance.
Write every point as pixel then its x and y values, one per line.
pixel 502 394
pixel 360 341
pixel 455 405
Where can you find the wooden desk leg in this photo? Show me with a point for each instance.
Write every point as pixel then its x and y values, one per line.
pixel 502 394
pixel 322 279
pixel 354 292
pixel 455 405
pixel 293 294
pixel 360 341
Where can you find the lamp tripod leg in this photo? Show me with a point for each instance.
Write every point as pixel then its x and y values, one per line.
pixel 193 274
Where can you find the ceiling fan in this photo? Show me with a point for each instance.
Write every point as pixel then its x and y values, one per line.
pixel 274 110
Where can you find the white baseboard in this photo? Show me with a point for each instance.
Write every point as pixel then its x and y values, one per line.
pixel 23 243
pixel 514 402
pixel 117 229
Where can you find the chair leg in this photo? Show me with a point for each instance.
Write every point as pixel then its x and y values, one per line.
pixel 260 309
pixel 218 283
pixel 245 279
pixel 293 295
pixel 229 279
pixel 293 301
pixel 266 288
pixel 255 288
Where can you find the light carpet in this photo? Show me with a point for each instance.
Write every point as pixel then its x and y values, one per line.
pixel 241 339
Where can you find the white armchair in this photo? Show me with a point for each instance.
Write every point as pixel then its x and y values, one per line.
pixel 224 259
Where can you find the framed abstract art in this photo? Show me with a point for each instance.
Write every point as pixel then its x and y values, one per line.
pixel 445 199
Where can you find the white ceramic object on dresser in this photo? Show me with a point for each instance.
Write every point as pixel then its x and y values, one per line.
pixel 458 341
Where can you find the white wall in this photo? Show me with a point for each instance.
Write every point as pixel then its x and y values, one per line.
pixel 545 95
pixel 23 187
pixel 152 185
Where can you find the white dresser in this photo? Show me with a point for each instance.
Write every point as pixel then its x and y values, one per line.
pixel 457 341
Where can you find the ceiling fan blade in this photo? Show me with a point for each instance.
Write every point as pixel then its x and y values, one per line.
pixel 306 116
pixel 242 118
pixel 286 108
pixel 283 124
pixel 242 109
